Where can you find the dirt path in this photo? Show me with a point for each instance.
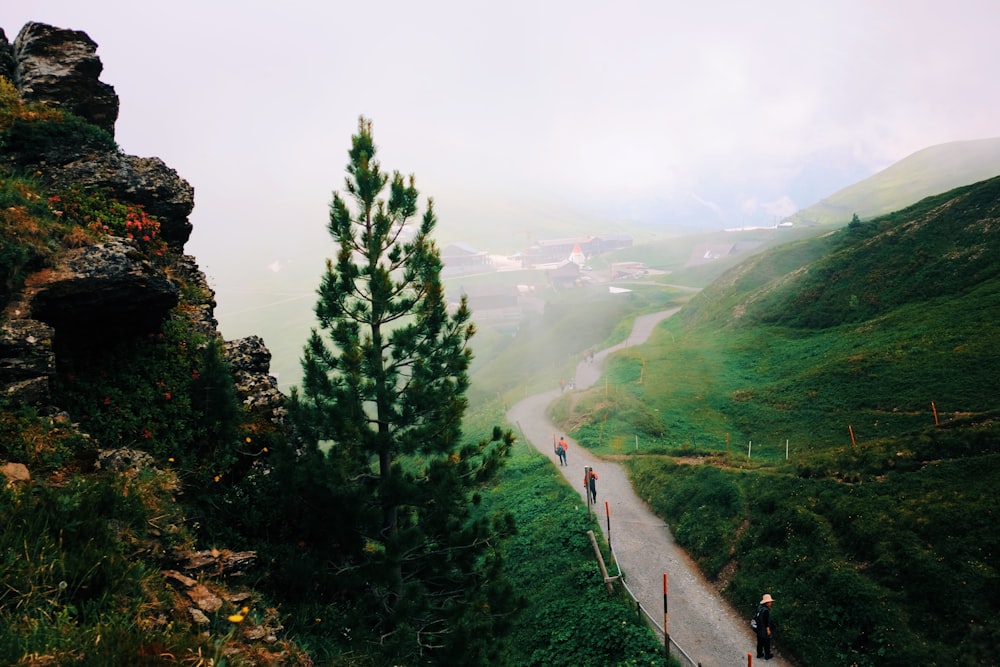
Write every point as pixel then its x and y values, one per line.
pixel 701 623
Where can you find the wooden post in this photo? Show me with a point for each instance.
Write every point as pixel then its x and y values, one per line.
pixel 666 628
pixel 607 513
pixel 934 408
pixel 600 562
pixel 851 429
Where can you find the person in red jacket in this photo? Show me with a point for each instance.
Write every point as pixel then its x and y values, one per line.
pixel 561 449
pixel 591 484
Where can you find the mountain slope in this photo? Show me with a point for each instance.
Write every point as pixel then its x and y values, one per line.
pixel 856 377
pixel 927 172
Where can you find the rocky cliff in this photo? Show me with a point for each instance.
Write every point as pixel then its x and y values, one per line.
pixel 76 286
pixel 105 290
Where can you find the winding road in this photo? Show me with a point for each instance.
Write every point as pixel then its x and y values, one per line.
pixel 701 623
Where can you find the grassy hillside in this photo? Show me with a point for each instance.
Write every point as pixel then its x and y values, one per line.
pixel 868 356
pixel 931 171
pixel 567 616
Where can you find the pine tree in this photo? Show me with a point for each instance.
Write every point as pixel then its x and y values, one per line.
pixel 385 388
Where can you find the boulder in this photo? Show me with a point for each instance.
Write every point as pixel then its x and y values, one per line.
pixel 105 290
pixel 250 362
pixel 60 67
pixel 124 460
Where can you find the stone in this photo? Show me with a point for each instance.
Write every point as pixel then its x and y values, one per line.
pixel 124 460
pixel 6 57
pixel 103 290
pixel 15 472
pixel 36 391
pixel 248 355
pixel 198 616
pixel 219 561
pixel 147 182
pixel 27 360
pixel 250 361
pixel 60 67
pixel 199 297
pixel 206 600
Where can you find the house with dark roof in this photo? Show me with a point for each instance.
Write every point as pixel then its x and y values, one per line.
pixel 565 275
pixel 463 258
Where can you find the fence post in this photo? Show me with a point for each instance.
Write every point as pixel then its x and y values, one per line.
pixel 607 513
pixel 666 629
pixel 600 562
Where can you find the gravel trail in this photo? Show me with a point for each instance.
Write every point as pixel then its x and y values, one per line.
pixel 701 622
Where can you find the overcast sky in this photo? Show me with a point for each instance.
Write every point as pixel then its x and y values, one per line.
pixel 615 109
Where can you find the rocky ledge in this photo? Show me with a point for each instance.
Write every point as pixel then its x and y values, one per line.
pixel 108 288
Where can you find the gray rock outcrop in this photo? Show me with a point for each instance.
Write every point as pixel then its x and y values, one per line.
pixel 6 57
pixel 145 181
pixel 61 68
pixel 250 361
pixel 27 360
pixel 110 289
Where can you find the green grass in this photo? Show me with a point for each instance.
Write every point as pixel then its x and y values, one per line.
pixel 928 172
pixel 871 353
pixel 567 616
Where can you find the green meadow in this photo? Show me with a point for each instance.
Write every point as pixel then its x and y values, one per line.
pixel 820 423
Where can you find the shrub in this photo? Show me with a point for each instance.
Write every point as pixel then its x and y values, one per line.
pixel 54 140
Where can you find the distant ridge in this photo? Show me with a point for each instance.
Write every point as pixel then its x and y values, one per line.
pixel 927 172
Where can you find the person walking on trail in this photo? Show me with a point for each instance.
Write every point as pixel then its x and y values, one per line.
pixel 561 449
pixel 591 484
pixel 763 618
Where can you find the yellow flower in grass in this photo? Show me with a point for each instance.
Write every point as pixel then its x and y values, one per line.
pixel 238 618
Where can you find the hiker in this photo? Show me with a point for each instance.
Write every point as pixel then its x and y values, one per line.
pixel 763 618
pixel 561 449
pixel 591 483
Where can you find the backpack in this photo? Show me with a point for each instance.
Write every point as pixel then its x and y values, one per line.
pixel 753 620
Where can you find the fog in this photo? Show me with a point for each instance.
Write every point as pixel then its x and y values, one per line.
pixel 522 118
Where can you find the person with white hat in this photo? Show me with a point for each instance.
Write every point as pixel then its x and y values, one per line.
pixel 763 618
